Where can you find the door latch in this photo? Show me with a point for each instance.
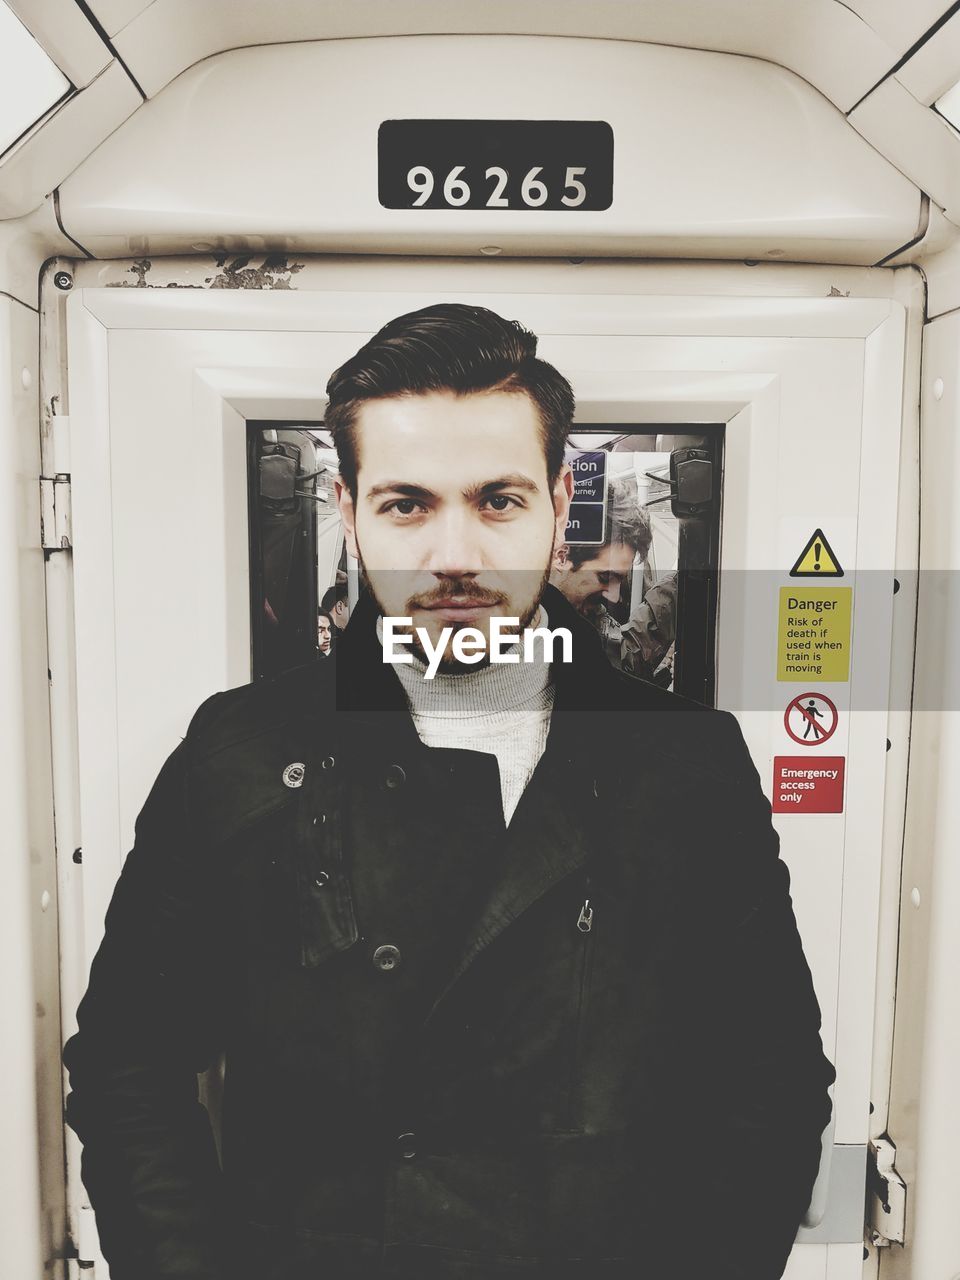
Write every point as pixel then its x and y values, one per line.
pixel 886 1195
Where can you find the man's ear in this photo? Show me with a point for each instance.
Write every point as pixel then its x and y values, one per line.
pixel 561 558
pixel 348 516
pixel 562 495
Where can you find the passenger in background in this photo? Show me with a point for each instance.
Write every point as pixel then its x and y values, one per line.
pixel 334 602
pixel 324 633
pixel 593 577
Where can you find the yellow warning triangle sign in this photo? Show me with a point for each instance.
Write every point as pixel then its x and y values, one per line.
pixel 817 559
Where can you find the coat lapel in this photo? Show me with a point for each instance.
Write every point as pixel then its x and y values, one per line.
pixel 544 844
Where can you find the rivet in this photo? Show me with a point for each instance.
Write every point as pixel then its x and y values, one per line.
pixel 320 819
pixel 328 763
pixel 322 879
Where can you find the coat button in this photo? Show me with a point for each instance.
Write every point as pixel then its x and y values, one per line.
pixel 328 763
pixel 322 879
pixel 293 775
pixel 386 957
pixel 407 1145
pixel 396 776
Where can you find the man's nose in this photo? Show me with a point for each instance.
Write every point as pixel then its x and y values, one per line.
pixel 611 592
pixel 455 550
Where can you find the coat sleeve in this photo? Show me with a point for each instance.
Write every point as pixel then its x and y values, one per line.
pixel 760 1130
pixel 147 1026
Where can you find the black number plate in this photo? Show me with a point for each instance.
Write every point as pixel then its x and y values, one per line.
pixel 495 164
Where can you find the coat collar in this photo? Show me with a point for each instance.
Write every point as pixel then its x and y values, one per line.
pixel 367 688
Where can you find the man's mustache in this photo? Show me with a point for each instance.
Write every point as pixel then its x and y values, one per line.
pixel 455 593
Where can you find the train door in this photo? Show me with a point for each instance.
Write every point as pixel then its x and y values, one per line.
pixel 199 471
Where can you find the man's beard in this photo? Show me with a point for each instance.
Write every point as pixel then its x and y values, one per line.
pixel 593 609
pixel 452 588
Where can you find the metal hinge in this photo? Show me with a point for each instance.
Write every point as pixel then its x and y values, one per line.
pixel 56 526
pixel 56 516
pixel 886 1195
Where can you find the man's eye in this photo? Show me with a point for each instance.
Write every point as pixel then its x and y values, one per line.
pixel 403 507
pixel 500 502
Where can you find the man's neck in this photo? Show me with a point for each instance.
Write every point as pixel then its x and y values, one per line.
pixel 503 709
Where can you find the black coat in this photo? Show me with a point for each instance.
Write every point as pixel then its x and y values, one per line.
pixel 434 1068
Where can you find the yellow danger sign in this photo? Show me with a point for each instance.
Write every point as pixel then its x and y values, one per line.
pixel 813 635
pixel 817 559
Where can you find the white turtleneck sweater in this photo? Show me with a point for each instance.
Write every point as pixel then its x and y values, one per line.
pixel 502 708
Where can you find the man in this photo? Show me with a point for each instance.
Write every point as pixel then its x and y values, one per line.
pixel 503 964
pixel 324 633
pixel 592 577
pixel 335 603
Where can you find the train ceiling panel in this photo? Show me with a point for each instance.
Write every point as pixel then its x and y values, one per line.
pixel 899 24
pixel 65 32
pixel 114 15
pixel 935 67
pixel 849 50
pixel 253 150
pixel 73 131
pixel 822 40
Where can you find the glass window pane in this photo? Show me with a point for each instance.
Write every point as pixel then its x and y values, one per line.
pixel 29 82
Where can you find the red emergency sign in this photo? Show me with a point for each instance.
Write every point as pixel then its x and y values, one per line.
pixel 808 784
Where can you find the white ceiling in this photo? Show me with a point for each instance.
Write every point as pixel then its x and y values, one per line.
pixel 845 50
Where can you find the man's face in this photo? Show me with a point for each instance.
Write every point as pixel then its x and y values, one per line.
pixel 595 581
pixel 323 632
pixel 454 519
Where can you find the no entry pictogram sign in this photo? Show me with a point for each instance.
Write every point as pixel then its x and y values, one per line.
pixel 810 719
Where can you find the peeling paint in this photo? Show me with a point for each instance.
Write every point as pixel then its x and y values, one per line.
pixel 275 272
pixel 272 271
pixel 139 268
pixel 838 293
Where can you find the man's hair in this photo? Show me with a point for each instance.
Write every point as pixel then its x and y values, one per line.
pixel 626 521
pixel 448 347
pixel 332 597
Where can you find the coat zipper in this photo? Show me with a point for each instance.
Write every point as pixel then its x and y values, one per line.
pixel 585 924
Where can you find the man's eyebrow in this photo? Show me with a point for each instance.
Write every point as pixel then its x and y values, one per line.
pixel 516 480
pixel 399 486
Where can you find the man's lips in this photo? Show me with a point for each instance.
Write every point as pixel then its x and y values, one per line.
pixel 470 605
pixel 458 609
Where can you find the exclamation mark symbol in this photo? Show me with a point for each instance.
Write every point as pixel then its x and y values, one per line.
pixel 817 548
